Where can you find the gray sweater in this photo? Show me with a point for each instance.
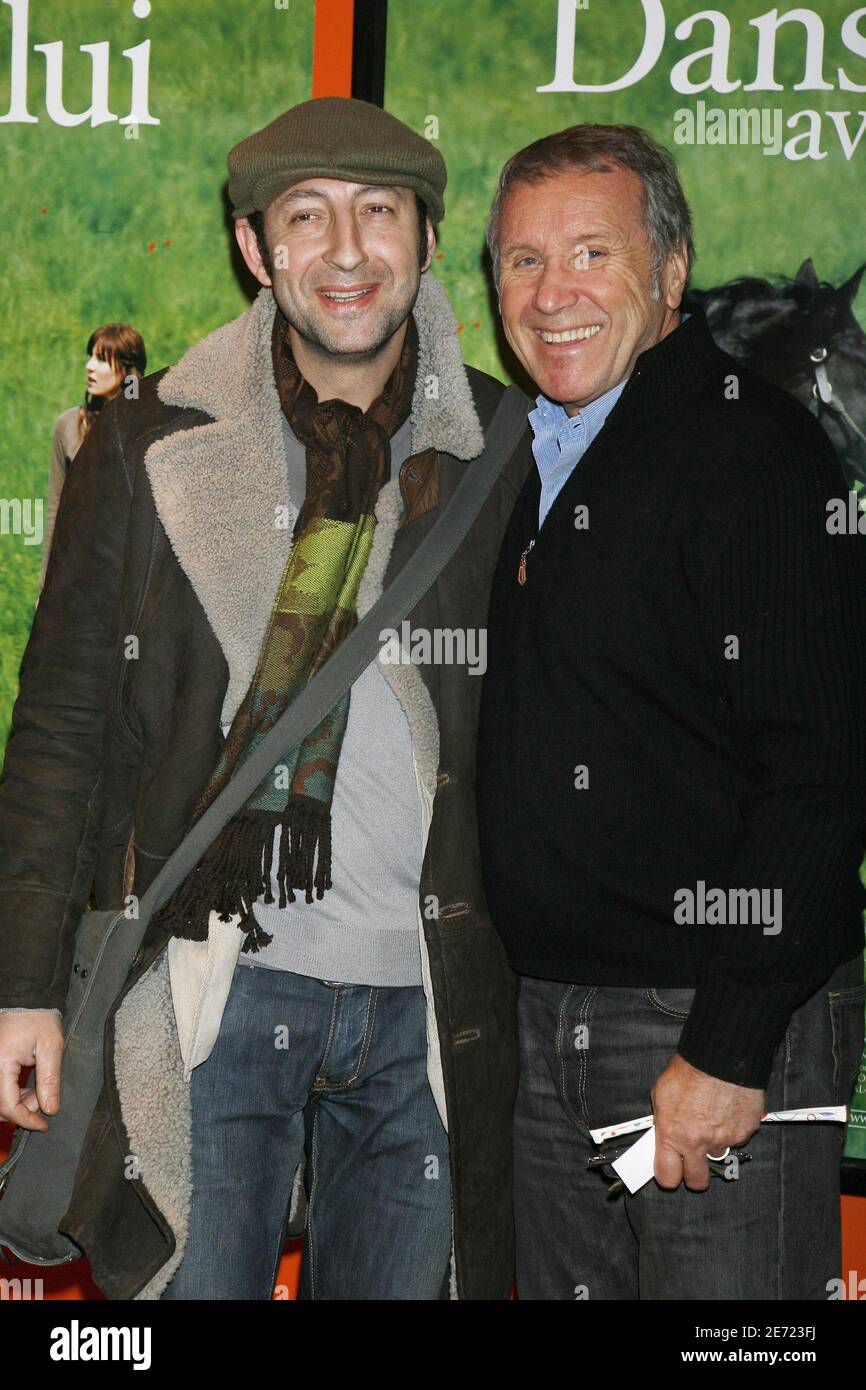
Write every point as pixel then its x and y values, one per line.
pixel 365 929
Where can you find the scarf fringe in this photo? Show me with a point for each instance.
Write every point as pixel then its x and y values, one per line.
pixel 236 870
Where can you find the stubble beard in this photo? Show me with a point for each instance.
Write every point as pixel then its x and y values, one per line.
pixel 327 346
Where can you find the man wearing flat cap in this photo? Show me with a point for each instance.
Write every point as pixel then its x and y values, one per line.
pixel 319 1028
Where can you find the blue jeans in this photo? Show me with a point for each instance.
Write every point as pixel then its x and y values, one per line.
pixel 339 1071
pixel 589 1057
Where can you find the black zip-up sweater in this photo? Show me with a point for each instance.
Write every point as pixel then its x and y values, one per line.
pixel 699 647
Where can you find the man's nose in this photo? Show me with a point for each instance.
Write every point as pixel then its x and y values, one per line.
pixel 554 290
pixel 345 250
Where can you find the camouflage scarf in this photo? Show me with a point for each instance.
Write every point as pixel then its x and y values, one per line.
pixel 348 457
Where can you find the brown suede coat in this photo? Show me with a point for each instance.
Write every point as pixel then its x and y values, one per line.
pixel 165 533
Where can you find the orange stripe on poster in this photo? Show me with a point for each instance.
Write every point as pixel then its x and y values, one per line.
pixel 332 48
pixel 854 1246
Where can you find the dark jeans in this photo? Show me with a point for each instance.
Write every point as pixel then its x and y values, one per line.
pixel 590 1057
pixel 344 1067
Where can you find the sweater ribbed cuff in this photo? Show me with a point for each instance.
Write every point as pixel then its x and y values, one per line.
pixel 734 1028
pixel 20 1010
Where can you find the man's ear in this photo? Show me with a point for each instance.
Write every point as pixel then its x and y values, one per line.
pixel 674 277
pixel 431 245
pixel 248 243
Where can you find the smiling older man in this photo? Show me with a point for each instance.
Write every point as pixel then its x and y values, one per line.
pixel 673 714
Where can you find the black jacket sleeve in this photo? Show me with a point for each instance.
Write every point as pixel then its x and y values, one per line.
pixel 50 792
pixel 793 595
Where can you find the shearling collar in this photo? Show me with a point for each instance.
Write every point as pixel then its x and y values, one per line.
pixel 221 489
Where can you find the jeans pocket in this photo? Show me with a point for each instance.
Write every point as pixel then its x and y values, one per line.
pixel 847 1026
pixel 676 1003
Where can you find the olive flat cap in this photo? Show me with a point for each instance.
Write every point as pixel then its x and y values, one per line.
pixel 335 138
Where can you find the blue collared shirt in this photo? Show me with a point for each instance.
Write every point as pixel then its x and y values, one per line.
pixel 560 440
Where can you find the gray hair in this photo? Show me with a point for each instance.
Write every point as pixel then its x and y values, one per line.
pixel 601 148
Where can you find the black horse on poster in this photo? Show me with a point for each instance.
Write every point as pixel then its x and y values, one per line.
pixel 801 334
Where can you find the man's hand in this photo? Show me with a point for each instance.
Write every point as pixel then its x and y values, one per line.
pixel 695 1115
pixel 26 1040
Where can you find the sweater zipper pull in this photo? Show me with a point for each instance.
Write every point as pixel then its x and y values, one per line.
pixel 521 568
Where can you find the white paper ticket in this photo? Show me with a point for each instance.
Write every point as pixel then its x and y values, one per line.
pixel 839 1113
pixel 636 1166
